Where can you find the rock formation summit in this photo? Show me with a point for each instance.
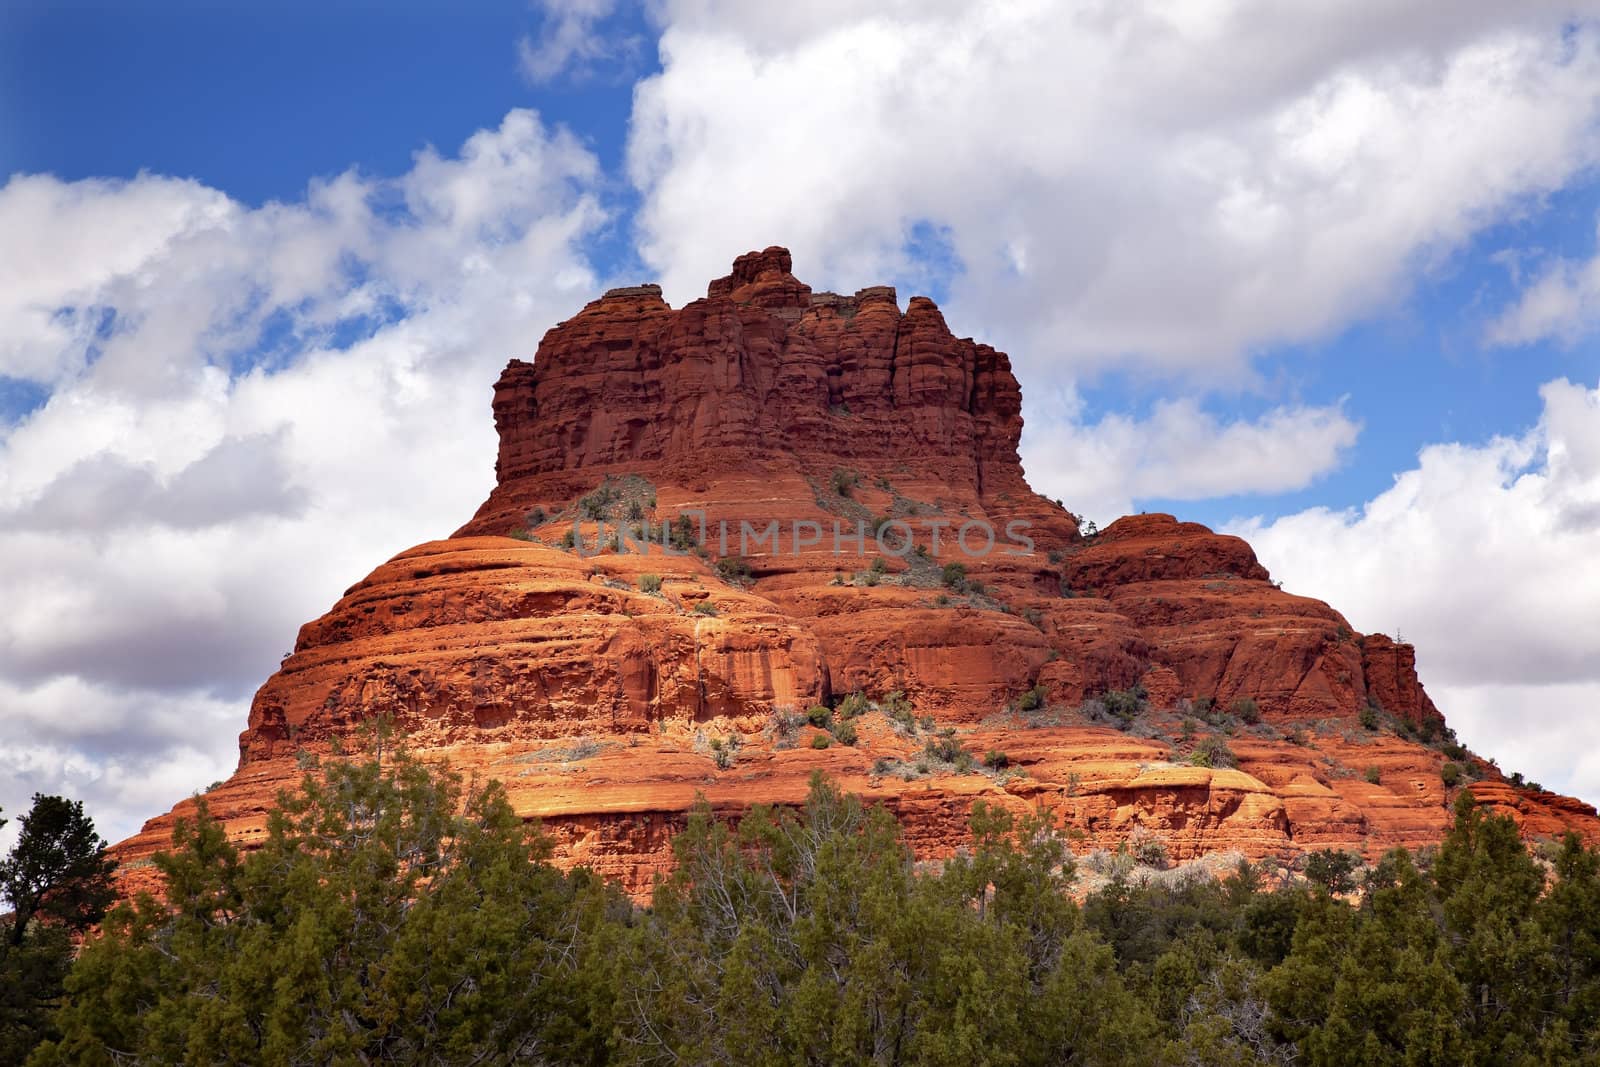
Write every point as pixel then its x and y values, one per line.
pixel 744 540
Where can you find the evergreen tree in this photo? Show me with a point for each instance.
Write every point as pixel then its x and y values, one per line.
pixel 392 915
pixel 57 879
pixel 1488 889
pixel 1569 917
pixel 386 918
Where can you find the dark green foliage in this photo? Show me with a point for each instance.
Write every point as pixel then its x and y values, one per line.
pixel 844 482
pixel 820 741
pixel 1332 870
pixel 1033 699
pixel 1371 718
pixel 390 917
pixel 57 882
pixel 1124 704
pixel 705 607
pixel 57 872
pixel 1246 710
pixel 597 504
pixel 1374 775
pixel 898 708
pixel 650 583
pixel 844 731
pixel 946 747
pixel 684 532
pixel 954 576
pixel 820 716
pixel 385 917
pixel 809 938
pixel 1450 774
pixel 734 569
pixel 854 705
pixel 996 760
pixel 1212 751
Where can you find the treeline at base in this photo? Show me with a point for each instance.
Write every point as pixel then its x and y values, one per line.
pixel 393 916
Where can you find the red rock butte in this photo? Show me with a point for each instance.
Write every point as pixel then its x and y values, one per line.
pixel 607 688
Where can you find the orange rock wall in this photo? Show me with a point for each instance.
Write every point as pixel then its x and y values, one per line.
pixel 766 402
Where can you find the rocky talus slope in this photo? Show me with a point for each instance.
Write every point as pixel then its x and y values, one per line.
pixel 1099 675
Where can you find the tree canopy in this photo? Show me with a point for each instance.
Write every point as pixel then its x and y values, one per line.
pixel 395 915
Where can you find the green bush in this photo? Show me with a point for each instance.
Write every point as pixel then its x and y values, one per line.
pixel 820 741
pixel 945 748
pixel 1246 710
pixel 705 607
pixel 1213 752
pixel 897 707
pixel 819 716
pixel 954 575
pixel 1332 869
pixel 1033 699
pixel 734 569
pixel 1375 775
pixel 853 705
pixel 684 533
pixel 844 481
pixel 996 760
pixel 844 731
pixel 879 565
pixel 1124 704
pixel 1450 774
pixel 1370 719
pixel 650 583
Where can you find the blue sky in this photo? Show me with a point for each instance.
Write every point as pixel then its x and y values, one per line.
pixel 1324 276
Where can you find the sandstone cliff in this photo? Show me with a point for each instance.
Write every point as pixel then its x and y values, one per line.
pixel 608 684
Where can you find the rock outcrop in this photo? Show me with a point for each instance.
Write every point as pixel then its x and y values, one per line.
pixel 829 499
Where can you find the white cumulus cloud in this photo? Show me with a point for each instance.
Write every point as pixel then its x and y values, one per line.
pixel 1484 555
pixel 574 40
pixel 1179 452
pixel 1561 302
pixel 248 409
pixel 1113 180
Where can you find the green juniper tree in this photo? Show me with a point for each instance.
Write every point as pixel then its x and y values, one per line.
pixel 57 880
pixel 389 916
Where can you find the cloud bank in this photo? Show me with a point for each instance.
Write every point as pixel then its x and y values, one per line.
pixel 1484 556
pixel 1111 182
pixel 248 409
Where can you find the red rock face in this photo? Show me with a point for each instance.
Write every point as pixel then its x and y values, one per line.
pixel 601 687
